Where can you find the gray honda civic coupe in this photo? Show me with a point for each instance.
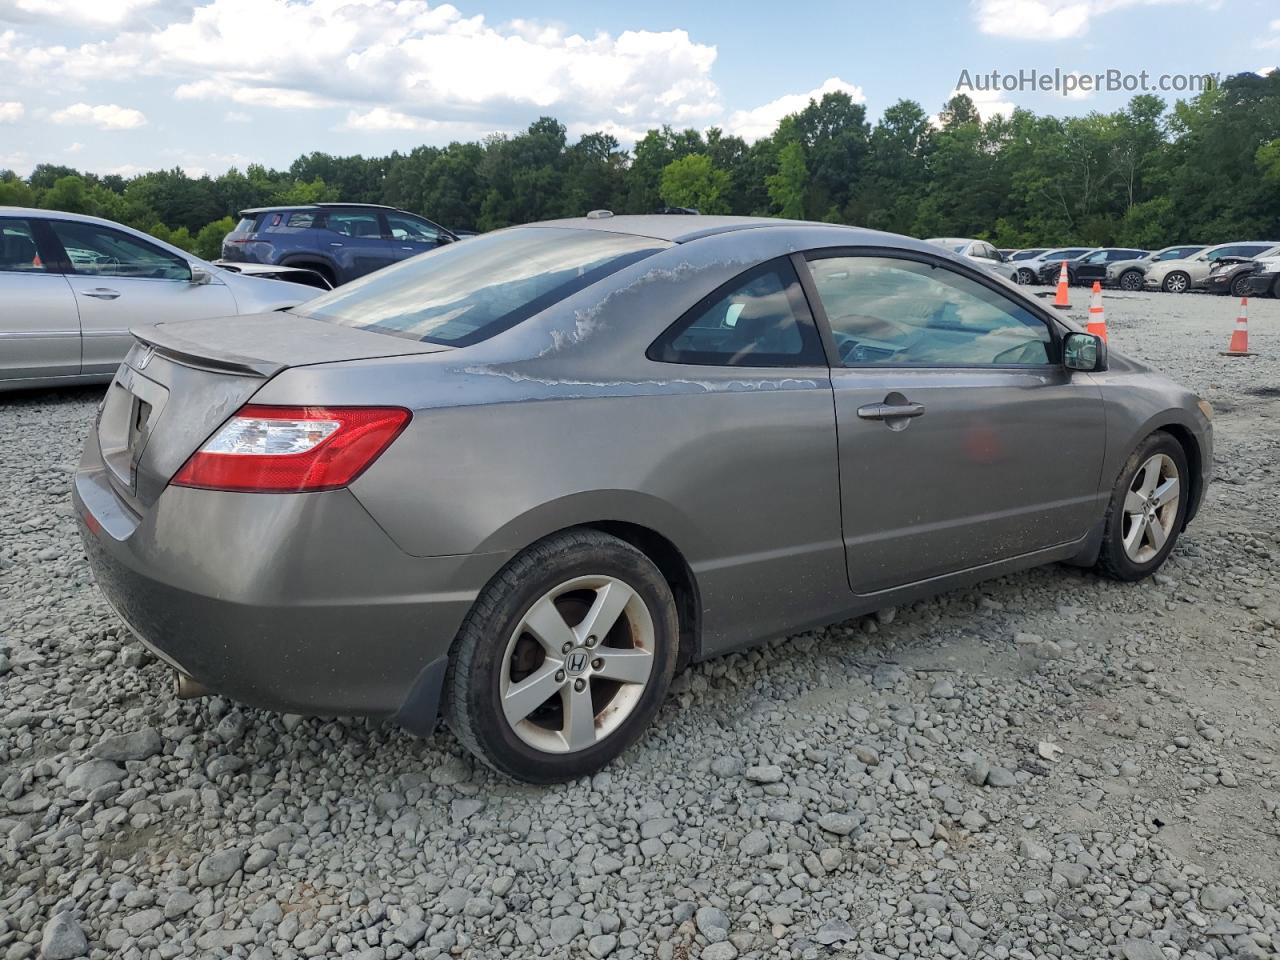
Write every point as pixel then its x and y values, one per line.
pixel 520 481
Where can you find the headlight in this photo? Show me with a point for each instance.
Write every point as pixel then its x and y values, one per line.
pixel 1205 407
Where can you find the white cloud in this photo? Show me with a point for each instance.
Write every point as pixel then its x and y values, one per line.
pixel 105 116
pixel 761 121
pixel 1053 19
pixel 75 147
pixel 106 13
pixel 11 111
pixel 236 116
pixel 410 58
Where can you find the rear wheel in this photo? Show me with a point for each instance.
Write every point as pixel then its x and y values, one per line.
pixel 1131 280
pixel 1176 282
pixel 564 659
pixel 1146 511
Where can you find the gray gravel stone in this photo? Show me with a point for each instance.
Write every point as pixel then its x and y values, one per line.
pixel 220 867
pixel 62 938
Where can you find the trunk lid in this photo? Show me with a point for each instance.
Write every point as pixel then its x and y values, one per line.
pixel 181 381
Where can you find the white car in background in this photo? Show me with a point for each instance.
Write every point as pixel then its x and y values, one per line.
pixel 980 252
pixel 1190 273
pixel 71 286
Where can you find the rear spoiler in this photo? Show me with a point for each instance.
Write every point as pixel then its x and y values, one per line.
pixel 171 345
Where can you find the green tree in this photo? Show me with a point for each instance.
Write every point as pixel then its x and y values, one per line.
pixel 694 181
pixel 208 241
pixel 787 187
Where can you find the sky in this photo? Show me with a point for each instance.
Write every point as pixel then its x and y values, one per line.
pixel 122 86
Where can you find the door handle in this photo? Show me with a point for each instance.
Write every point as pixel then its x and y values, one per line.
pixel 890 411
pixel 334 243
pixel 100 293
pixel 406 248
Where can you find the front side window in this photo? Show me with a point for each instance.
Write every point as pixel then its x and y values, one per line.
pixel 18 253
pixel 102 252
pixel 463 293
pixel 759 319
pixel 885 310
pixel 411 229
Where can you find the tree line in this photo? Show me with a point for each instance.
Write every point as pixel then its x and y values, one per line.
pixel 1202 170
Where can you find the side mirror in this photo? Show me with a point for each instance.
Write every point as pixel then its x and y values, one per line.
pixel 1084 352
pixel 200 276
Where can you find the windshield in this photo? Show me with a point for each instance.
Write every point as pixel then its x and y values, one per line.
pixel 466 292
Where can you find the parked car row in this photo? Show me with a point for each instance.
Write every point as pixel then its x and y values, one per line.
pixel 1236 268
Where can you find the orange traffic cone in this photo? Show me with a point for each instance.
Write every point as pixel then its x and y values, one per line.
pixel 1239 346
pixel 1097 318
pixel 1060 300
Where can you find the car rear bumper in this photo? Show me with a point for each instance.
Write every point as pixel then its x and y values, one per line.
pixel 293 602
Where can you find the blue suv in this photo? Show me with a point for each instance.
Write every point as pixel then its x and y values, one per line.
pixel 340 241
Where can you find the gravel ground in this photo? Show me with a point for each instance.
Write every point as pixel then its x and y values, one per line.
pixel 1046 765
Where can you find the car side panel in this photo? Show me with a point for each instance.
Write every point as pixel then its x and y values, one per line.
pixel 740 474
pixel 39 326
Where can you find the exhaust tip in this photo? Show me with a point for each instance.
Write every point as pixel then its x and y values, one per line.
pixel 187 688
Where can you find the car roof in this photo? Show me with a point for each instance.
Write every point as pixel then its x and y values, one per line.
pixel 321 206
pixel 27 212
pixel 676 228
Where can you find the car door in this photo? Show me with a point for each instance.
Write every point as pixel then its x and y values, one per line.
pixel 39 325
pixel 962 438
pixel 355 240
pixel 122 281
pixel 410 235
pixel 1093 267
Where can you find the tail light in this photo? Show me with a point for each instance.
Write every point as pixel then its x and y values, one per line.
pixel 292 449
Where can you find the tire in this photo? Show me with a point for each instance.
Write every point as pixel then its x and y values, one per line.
pixel 553 586
pixel 1176 282
pixel 1026 277
pixel 1131 280
pixel 1149 546
pixel 1240 286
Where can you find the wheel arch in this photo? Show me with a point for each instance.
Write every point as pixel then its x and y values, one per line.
pixel 1195 463
pixel 647 523
pixel 312 261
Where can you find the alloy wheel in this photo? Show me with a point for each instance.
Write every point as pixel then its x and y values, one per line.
pixel 1131 281
pixel 1150 508
pixel 1175 282
pixel 577 664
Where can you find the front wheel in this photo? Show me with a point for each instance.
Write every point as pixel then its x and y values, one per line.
pixel 1176 282
pixel 1240 286
pixel 1146 511
pixel 564 659
pixel 1026 277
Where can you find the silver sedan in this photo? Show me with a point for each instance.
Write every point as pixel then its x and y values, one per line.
pixel 71 286
pixel 525 478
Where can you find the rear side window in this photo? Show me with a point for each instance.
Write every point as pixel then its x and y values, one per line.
pixel 759 319
pixel 463 293
pixel 18 252
pixel 301 220
pixel 246 225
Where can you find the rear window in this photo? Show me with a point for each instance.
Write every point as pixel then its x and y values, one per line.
pixel 246 225
pixel 467 292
